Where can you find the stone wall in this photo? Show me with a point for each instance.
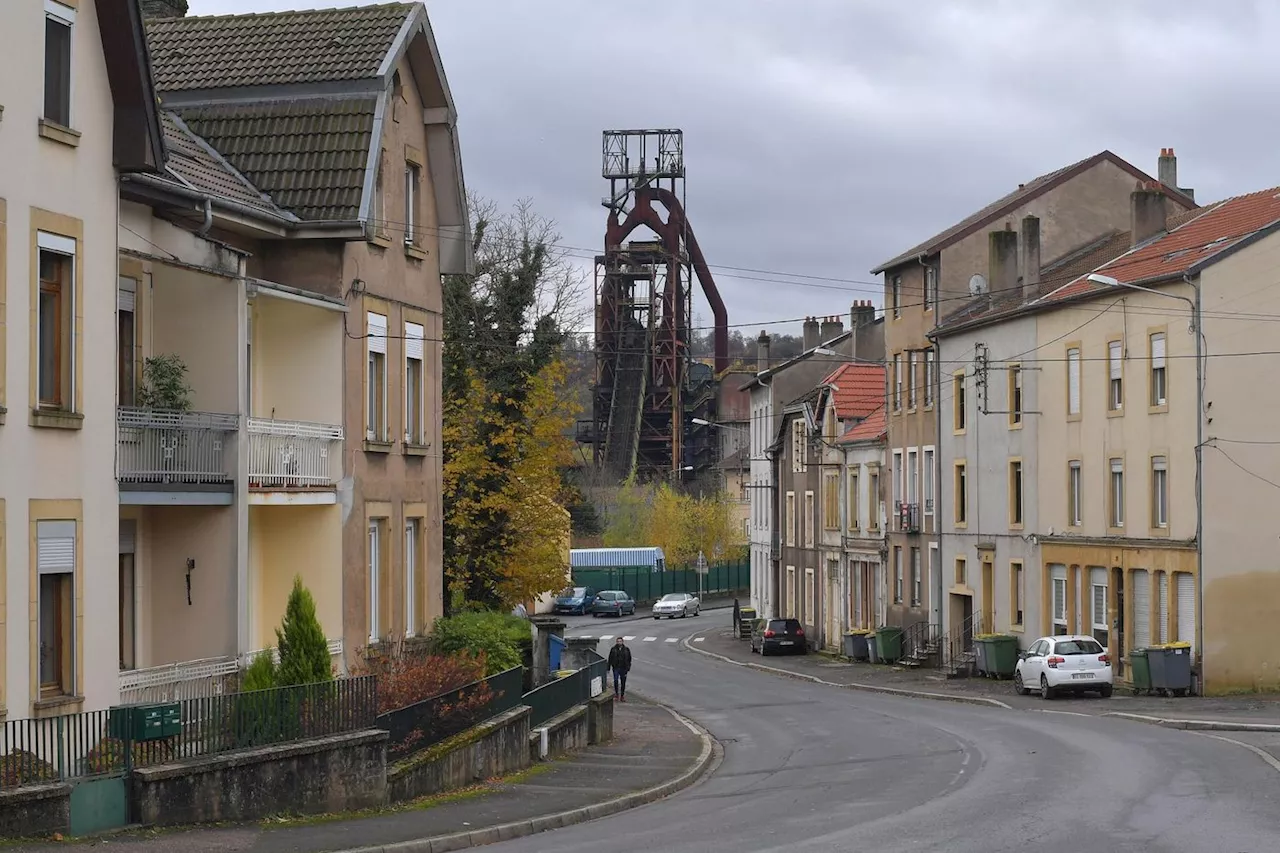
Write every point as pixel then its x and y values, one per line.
pixel 566 733
pixel 35 811
pixel 496 747
pixel 600 718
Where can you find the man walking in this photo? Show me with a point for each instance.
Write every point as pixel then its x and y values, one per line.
pixel 620 663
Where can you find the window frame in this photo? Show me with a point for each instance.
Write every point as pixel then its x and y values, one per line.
pixel 1116 494
pixel 1160 493
pixel 412 548
pixel 1115 383
pixel 1075 492
pixel 58 235
pixel 1158 370
pixel 412 181
pixel 127 288
pixel 853 501
pixel 960 493
pixel 961 569
pixel 415 406
pixel 917 580
pixel 898 580
pixel 376 428
pixel 1017 399
pixel 928 486
pixel 53 520
pixel 1017 494
pixel 930 287
pixel 831 500
pixel 1075 381
pixel 59 14
pixel 375 559
pixel 930 377
pixel 1017 595
pixel 897 382
pixel 789 523
pixel 873 498
pixel 959 404
pixel 911 380
pixel 895 296
pixel 810 519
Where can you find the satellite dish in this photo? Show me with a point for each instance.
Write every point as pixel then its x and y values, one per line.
pixel 977 285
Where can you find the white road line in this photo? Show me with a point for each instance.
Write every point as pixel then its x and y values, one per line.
pixel 629 639
pixel 650 639
pixel 698 639
pixel 606 637
pixel 673 639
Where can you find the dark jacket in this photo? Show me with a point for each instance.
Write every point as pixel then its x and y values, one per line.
pixel 620 659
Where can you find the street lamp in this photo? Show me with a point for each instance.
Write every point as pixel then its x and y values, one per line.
pixel 1196 316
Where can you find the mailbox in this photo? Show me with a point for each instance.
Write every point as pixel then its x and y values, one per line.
pixel 139 723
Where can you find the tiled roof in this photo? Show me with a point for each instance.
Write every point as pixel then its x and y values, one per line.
pixel 1012 201
pixel 857 389
pixel 875 426
pixel 197 165
pixel 274 48
pixel 1186 245
pixel 308 155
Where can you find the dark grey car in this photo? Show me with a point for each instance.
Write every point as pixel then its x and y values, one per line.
pixel 770 636
pixel 613 602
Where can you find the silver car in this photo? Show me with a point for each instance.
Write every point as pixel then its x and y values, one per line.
pixel 675 604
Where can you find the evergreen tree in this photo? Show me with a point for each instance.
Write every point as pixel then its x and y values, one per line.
pixel 304 651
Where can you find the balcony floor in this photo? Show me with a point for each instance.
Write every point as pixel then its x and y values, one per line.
pixel 177 494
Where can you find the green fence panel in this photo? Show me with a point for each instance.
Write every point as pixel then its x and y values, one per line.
pixel 645 585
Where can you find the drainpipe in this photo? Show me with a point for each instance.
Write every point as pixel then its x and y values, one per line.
pixel 1199 331
pixel 245 605
pixel 208 220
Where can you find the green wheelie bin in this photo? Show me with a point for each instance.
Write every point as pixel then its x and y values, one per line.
pixel 1140 671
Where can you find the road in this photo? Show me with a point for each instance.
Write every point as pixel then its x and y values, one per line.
pixel 814 768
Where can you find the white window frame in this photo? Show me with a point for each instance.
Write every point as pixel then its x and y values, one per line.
pixel 66 16
pixel 411 538
pixel 1160 492
pixel 1159 373
pixel 898 479
pixel 66 247
pixel 415 350
pixel 930 287
pixel 917 582
pixel 1075 501
pixel 895 286
pixel 376 343
pixel 375 580
pixel 930 376
pixel 926 467
pixel 1115 374
pixel 1116 487
pixel 412 176
pixel 898 582
pixel 897 382
pixel 913 476
pixel 911 380
pixel 1073 380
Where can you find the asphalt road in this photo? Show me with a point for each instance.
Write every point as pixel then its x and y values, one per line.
pixel 813 768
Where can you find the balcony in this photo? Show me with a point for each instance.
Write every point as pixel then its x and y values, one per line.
pixel 194 679
pixel 170 452
pixel 293 455
pixel 908 516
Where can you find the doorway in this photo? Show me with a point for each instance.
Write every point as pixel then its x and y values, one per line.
pixel 988 594
pixel 935 587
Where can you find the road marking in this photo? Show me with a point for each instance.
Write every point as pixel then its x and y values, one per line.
pixel 1263 754
pixel 698 639
pixel 650 639
pixel 629 639
pixel 603 637
pixel 1063 713
pixel 673 639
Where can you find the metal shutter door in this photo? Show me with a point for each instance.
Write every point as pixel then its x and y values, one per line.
pixel 1141 610
pixel 55 547
pixel 1058 579
pixel 1098 598
pixel 376 336
pixel 1186 607
pixel 1162 581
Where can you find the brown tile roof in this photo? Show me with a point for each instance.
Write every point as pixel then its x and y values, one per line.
pixel 1011 201
pixel 1188 245
pixel 193 162
pixel 308 155
pixel 875 426
pixel 273 48
pixel 857 389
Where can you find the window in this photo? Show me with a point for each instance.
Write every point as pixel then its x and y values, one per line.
pixel 1075 511
pixel 55 326
pixel 1101 616
pixel 852 501
pixel 831 501
pixel 376 391
pixel 1015 591
pixel 808 519
pixel 414 385
pixel 913 477
pixel 911 380
pixel 930 376
pixel 957 394
pixel 960 500
pixel 1159 393
pixel 798 446
pixel 962 572
pixel 1159 492
pixel 126 341
pixel 1073 381
pixel 375 572
pixel 917 583
pixel 897 382
pixel 896 296
pixel 1015 395
pixel 127 595
pixel 789 608
pixel 927 470
pixel 1059 605
pixel 58 21
pixel 1117 493
pixel 412 178
pixel 790 521
pixel 377 205
pixel 56 567
pixel 411 539
pixel 1015 493
pixel 897 475
pixel 930 288
pixel 808 597
pixel 1115 368
pixel 873 500
pixel 897 574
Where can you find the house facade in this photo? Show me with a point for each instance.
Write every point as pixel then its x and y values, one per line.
pixel 66 135
pixel 950 271
pixel 862 450
pixel 798 467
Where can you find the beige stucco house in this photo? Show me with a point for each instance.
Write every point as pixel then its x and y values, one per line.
pixel 66 134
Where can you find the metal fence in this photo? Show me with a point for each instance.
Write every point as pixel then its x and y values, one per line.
pixel 175 447
pixel 645 585
pixel 430 721
pixel 177 681
pixel 293 454
pixel 555 697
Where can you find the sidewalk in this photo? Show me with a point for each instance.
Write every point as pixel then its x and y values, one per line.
pixel 650 747
pixel 1250 710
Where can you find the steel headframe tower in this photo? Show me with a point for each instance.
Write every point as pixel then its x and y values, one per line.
pixel 644 395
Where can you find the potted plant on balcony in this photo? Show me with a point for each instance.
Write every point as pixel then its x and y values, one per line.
pixel 164 384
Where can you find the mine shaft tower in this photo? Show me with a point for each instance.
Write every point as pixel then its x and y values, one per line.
pixel 648 389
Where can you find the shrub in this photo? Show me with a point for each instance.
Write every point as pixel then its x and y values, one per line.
pixel 260 674
pixel 499 637
pixel 407 677
pixel 304 652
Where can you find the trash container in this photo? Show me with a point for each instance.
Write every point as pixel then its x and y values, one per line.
pixel 873 648
pixel 1001 656
pixel 981 651
pixel 746 619
pixel 889 641
pixel 855 645
pixel 1140 671
pixel 1169 667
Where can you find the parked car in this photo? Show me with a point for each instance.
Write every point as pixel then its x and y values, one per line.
pixel 613 602
pixel 777 635
pixel 1064 663
pixel 675 604
pixel 575 599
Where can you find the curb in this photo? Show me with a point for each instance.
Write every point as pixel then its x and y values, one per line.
pixel 522 828
pixel 869 688
pixel 1196 725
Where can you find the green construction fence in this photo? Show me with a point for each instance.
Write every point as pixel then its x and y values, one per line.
pixel 645 585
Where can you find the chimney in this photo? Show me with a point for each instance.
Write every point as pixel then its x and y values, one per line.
pixel 863 313
pixel 1002 261
pixel 832 328
pixel 812 331
pixel 164 9
pixel 1167 169
pixel 1030 246
pixel 762 352
pixel 1147 214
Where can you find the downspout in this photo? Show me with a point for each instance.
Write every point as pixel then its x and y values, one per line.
pixel 1199 478
pixel 208 219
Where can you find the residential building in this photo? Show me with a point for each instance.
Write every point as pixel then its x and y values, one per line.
pixel 863 520
pixel 733 450
pixel 775 384
pixel 798 476
pixel 1074 205
pixel 66 135
pixel 361 166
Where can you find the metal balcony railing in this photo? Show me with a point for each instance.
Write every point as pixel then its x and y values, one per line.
pixel 172 682
pixel 293 454
pixel 181 448
pixel 908 516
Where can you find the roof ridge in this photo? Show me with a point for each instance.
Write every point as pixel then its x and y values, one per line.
pixel 282 12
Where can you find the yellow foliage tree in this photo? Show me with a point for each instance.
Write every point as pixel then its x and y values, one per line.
pixel 681 525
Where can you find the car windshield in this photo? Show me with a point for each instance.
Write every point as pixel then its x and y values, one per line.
pixel 673 596
pixel 786 626
pixel 607 596
pixel 1077 647
pixel 573 592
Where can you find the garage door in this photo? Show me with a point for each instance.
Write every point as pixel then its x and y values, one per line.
pixel 1141 609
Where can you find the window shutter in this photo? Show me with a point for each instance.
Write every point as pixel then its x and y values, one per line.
pixel 55 547
pixel 377 335
pixel 1113 350
pixel 413 341
pixel 1157 351
pixel 1186 585
pixel 126 295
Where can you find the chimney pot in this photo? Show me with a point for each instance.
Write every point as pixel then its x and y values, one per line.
pixel 812 331
pixel 1030 258
pixel 832 327
pixel 762 352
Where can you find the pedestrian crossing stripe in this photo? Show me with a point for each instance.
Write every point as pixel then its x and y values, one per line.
pixel 625 638
pixel 605 637
pixel 650 639
pixel 630 637
pixel 673 639
pixel 698 639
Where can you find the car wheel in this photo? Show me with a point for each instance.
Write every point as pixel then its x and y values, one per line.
pixel 1046 692
pixel 764 651
pixel 1018 687
pixel 657 617
pixel 1105 691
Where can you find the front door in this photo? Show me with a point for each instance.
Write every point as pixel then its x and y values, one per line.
pixel 935 587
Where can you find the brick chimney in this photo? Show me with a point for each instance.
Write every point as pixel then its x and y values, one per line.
pixel 164 9
pixel 762 352
pixel 832 328
pixel 1148 215
pixel 1167 172
pixel 812 333
pixel 1030 246
pixel 1002 262
pixel 863 313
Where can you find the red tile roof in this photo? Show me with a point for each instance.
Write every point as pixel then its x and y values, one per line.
pixel 857 389
pixel 875 426
pixel 1190 243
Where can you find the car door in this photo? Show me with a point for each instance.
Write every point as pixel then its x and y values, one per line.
pixel 627 605
pixel 1033 666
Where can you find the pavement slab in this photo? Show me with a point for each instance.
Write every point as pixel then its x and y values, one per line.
pixel 650 747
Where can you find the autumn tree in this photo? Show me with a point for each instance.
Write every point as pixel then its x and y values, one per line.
pixel 682 525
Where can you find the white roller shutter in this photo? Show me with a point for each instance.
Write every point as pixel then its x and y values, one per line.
pixel 1098 599
pixel 126 294
pixel 55 547
pixel 1073 381
pixel 1114 353
pixel 1186 608
pixel 1141 632
pixel 377 334
pixel 413 341
pixel 128 536
pixel 1058 578
pixel 1157 351
pixel 1162 588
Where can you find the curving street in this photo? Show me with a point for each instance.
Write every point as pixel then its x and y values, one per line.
pixel 814 768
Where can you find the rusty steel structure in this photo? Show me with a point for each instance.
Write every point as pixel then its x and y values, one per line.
pixel 649 391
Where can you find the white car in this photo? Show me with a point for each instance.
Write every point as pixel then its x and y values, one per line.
pixel 1066 663
pixel 675 604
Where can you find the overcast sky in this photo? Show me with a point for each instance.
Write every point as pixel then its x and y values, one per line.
pixel 825 136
